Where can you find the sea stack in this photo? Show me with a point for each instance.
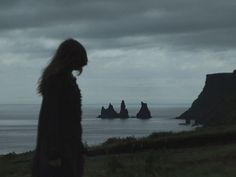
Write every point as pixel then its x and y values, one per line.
pixel 123 111
pixel 216 104
pixel 108 113
pixel 144 112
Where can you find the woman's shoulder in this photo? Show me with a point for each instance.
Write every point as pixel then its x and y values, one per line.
pixel 53 81
pixel 59 81
pixel 53 84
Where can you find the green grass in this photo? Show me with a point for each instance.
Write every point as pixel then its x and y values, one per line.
pixel 166 140
pixel 198 160
pixel 15 165
pixel 212 161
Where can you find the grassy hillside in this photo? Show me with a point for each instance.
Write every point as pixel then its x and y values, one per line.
pixel 212 159
pixel 200 137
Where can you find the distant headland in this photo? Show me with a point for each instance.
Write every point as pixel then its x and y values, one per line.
pixel 216 104
pixel 110 113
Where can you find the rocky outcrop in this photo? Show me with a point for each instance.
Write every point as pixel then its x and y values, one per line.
pixel 144 112
pixel 216 104
pixel 108 113
pixel 123 111
pixel 111 113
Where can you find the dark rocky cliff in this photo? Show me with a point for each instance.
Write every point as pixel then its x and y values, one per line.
pixel 216 104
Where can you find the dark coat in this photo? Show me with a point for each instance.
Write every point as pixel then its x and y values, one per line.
pixel 59 129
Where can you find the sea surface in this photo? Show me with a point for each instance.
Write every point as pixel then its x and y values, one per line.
pixel 18 124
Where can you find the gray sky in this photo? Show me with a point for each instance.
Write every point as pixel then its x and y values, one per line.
pixel 158 51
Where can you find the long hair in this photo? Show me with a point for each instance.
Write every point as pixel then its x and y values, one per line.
pixel 70 55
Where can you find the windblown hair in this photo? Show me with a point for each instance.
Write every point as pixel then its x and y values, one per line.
pixel 70 54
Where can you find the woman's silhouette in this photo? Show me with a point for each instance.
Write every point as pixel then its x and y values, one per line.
pixel 59 150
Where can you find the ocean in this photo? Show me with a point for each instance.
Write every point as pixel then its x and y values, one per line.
pixel 18 124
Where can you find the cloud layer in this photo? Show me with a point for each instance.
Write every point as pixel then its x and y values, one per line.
pixel 157 51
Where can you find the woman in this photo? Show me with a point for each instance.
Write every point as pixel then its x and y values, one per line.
pixel 59 150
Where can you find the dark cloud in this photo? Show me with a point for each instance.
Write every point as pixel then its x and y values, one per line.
pixel 116 19
pixel 146 48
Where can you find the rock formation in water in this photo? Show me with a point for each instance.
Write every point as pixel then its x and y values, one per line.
pixel 144 112
pixel 123 111
pixel 216 104
pixel 111 113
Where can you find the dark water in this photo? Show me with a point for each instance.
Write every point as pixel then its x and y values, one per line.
pixel 18 125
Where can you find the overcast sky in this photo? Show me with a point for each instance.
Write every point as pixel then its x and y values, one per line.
pixel 158 51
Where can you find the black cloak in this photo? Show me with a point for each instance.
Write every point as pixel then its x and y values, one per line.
pixel 59 129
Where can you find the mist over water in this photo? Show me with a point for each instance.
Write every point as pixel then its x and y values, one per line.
pixel 18 124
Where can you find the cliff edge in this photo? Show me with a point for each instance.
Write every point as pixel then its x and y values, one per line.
pixel 216 104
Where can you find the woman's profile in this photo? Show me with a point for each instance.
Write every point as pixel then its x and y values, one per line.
pixel 59 149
